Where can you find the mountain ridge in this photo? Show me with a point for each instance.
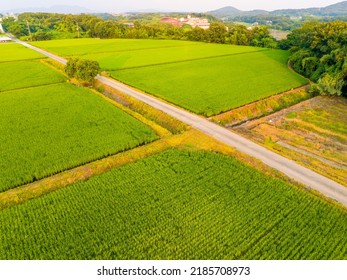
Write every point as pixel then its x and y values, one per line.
pixel 338 9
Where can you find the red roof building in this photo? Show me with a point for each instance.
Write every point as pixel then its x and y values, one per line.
pixel 172 21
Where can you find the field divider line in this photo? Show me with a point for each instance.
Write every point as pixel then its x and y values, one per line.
pixel 132 50
pixel 83 172
pixel 39 86
pixel 186 60
pixel 22 60
pixel 293 170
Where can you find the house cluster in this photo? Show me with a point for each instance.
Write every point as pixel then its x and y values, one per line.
pixel 192 21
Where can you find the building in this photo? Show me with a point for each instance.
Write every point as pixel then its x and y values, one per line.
pixel 130 24
pixel 193 22
pixel 4 39
pixel 172 21
pixel 196 22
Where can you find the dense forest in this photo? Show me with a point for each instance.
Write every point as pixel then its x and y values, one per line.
pixel 319 49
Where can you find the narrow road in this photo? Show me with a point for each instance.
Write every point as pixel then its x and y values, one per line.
pixel 293 170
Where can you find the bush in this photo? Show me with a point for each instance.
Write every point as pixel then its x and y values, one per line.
pixel 82 69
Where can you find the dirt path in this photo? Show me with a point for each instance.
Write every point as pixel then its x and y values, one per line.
pixel 293 170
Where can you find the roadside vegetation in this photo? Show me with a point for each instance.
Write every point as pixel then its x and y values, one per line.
pixel 313 133
pixel 262 108
pixel 81 69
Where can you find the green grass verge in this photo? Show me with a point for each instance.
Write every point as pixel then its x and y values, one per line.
pixel 45 130
pixel 176 205
pixel 215 85
pixel 22 74
pixel 13 51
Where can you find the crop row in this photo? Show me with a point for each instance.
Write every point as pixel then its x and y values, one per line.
pixel 215 85
pixel 176 205
pixel 85 46
pixel 205 78
pixel 27 73
pixel 15 52
pixel 49 129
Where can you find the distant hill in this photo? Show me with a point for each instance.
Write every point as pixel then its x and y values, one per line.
pixel 233 12
pixel 54 9
pixel 226 12
pixel 339 9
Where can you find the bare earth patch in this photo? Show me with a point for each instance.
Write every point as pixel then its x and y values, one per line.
pixel 313 133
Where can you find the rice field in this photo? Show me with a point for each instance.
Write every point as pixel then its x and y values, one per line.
pixel 85 46
pixel 212 86
pixel 176 205
pixel 14 52
pixel 27 73
pixel 207 79
pixel 48 129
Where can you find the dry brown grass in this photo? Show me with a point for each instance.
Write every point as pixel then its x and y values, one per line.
pixel 315 129
pixel 261 108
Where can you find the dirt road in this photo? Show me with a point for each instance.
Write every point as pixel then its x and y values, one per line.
pixel 293 170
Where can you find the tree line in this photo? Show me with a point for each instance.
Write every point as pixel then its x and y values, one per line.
pixel 319 52
pixel 46 26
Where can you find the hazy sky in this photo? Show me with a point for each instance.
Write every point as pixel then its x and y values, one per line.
pixel 176 5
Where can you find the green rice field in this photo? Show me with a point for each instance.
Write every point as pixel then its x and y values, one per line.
pixel 27 73
pixel 145 57
pixel 13 52
pixel 176 205
pixel 207 79
pixel 48 129
pixel 75 47
pixel 211 86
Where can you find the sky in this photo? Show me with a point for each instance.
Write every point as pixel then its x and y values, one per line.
pixel 167 5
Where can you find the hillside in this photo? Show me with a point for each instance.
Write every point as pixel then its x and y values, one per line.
pixel 233 12
pixel 339 9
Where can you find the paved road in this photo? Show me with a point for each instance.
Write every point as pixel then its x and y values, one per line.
pixel 48 54
pixel 293 170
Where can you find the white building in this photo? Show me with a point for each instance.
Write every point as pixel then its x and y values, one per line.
pixel 196 22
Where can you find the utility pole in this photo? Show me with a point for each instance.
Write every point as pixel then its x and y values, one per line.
pixel 31 38
pixel 78 29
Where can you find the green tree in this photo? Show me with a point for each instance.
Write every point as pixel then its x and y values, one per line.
pixel 328 85
pixel 82 69
pixel 217 33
